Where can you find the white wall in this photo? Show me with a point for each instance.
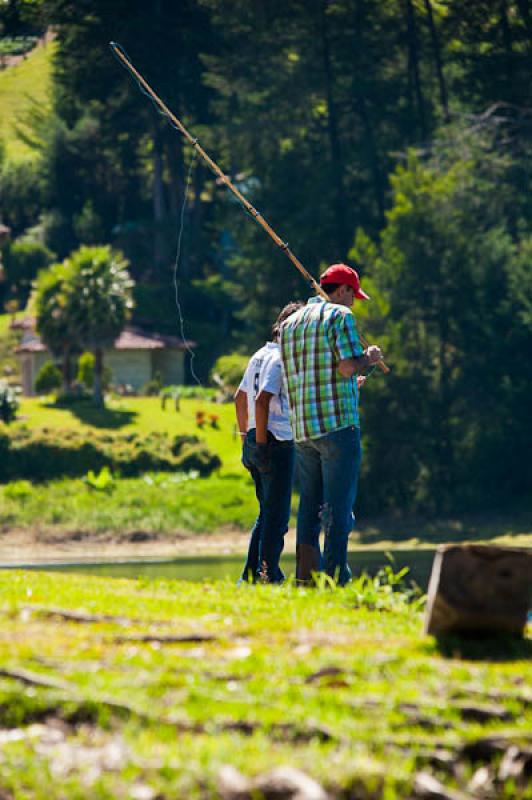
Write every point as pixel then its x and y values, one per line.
pixel 132 367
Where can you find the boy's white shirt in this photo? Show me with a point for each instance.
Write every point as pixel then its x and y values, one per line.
pixel 264 372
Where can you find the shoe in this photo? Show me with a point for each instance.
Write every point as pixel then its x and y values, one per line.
pixel 307 562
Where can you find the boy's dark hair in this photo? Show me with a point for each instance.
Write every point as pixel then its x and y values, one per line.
pixel 284 313
pixel 329 288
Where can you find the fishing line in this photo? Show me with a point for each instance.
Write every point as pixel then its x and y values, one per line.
pixel 162 109
pixel 161 113
pixel 189 350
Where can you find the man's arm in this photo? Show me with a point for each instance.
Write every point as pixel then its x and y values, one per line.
pixel 348 367
pixel 262 411
pixel 241 408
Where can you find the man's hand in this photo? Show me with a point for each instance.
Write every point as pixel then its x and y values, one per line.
pixel 262 457
pixel 361 380
pixel 373 354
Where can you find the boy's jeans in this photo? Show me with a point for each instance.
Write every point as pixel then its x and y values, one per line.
pixel 274 492
pixel 328 470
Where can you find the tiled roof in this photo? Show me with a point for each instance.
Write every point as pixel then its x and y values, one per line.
pixel 130 339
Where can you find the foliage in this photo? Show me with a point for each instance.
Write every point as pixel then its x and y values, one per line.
pixel 228 370
pixel 9 402
pixel 48 378
pixel 189 392
pixel 85 374
pixel 44 455
pixel 99 302
pixel 84 303
pixel 19 491
pixel 22 260
pixel 54 322
pixel 152 388
pixel 17 45
pixel 400 128
pixel 101 482
pixel 21 201
pixel 452 288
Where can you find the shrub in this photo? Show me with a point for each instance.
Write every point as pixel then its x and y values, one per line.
pixel 153 387
pixel 48 378
pixel 85 374
pixel 47 454
pixel 9 402
pixel 228 371
pixel 180 441
pixel 198 458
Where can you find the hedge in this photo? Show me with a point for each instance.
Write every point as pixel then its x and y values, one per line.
pixel 41 455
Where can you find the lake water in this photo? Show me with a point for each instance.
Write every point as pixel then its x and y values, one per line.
pixel 200 568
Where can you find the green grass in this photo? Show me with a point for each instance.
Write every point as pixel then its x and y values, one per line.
pixel 5 320
pixel 22 85
pixel 314 679
pixel 161 505
pixel 143 415
pixel 154 504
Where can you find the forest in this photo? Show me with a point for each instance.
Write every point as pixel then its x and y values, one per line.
pixel 393 135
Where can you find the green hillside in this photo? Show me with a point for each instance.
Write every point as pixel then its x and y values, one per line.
pixel 20 85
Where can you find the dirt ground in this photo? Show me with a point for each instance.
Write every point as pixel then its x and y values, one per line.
pixel 28 546
pixel 36 545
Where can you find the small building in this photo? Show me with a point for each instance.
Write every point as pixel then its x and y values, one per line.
pixel 135 358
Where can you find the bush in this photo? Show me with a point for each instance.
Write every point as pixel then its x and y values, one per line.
pixel 228 371
pixel 198 458
pixel 189 392
pixel 153 387
pixel 9 402
pixel 48 378
pixel 47 454
pixel 85 374
pixel 180 441
pixel 17 45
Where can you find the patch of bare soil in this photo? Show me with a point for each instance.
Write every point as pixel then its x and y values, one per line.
pixel 40 545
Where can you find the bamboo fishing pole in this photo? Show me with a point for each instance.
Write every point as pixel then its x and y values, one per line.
pixel 119 53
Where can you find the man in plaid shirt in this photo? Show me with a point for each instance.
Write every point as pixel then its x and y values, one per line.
pixel 322 357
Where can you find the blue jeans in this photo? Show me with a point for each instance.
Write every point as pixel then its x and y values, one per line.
pixel 328 469
pixel 274 493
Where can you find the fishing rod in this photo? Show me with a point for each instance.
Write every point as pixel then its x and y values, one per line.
pixel 257 216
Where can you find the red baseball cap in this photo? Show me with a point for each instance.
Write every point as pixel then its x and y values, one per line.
pixel 344 275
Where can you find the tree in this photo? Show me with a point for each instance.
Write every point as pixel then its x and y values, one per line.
pixel 54 323
pixel 452 274
pixel 23 260
pixel 99 302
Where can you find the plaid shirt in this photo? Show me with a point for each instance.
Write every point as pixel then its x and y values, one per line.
pixel 313 341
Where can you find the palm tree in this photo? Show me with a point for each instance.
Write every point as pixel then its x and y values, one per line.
pixel 51 302
pixel 100 301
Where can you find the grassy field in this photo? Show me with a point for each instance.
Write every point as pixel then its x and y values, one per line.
pixel 115 689
pixel 159 505
pixel 21 86
pixel 154 503
pixel 142 415
pixel 5 319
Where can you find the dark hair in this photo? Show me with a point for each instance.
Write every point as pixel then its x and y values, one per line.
pixel 284 313
pixel 330 288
